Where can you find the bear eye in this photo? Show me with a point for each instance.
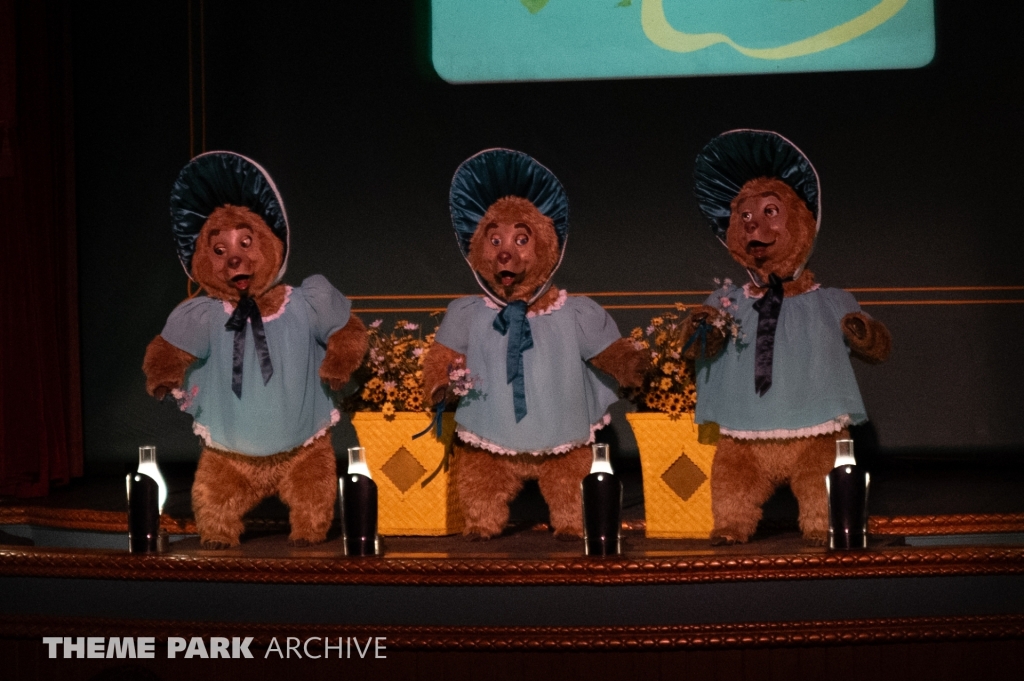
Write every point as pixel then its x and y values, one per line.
pixel 522 240
pixel 219 250
pixel 746 216
pixel 495 241
pixel 771 210
pixel 246 242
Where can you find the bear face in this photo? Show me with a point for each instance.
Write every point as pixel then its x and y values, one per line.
pixel 514 248
pixel 236 255
pixel 771 230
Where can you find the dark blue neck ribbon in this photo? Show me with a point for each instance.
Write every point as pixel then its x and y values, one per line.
pixel 768 308
pixel 247 309
pixel 512 321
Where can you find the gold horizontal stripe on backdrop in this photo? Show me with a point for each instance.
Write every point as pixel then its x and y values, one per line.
pixel 671 304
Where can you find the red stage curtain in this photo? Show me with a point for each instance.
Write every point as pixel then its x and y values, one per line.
pixel 40 396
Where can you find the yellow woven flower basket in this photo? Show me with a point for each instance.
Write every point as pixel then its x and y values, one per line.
pixel 676 465
pixel 400 465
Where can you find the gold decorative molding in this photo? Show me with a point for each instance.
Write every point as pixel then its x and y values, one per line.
pixel 894 295
pixel 931 525
pixel 654 567
pixel 85 519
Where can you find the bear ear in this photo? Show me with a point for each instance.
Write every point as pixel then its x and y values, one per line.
pixel 734 158
pixel 224 178
pixel 493 174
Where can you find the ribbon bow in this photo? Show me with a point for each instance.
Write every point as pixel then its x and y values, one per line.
pixel 511 321
pixel 436 422
pixel 768 308
pixel 247 309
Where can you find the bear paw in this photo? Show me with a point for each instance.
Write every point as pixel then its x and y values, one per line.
pixel 298 541
pixel 478 533
pixel 727 537
pixel 816 539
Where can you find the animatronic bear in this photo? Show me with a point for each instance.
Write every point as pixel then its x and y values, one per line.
pixel 542 362
pixel 784 393
pixel 252 359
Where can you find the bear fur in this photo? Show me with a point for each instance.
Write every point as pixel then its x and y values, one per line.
pixel 238 255
pixel 772 231
pixel 514 251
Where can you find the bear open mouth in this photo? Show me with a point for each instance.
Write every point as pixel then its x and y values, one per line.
pixel 759 249
pixel 241 281
pixel 507 277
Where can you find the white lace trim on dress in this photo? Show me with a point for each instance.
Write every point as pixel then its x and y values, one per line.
pixel 475 440
pixel 335 417
pixel 833 426
pixel 229 308
pixel 556 305
pixel 748 290
pixel 204 433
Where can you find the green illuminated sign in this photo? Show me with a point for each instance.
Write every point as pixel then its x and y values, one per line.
pixel 509 40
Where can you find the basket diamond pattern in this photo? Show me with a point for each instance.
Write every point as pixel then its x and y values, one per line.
pixel 677 470
pixel 684 477
pixel 403 470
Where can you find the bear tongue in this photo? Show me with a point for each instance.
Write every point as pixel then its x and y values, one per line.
pixel 507 278
pixel 241 282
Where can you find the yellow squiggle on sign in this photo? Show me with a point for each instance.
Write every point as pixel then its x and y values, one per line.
pixel 661 33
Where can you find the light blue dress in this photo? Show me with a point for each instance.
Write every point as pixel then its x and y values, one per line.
pixel 565 396
pixel 294 406
pixel 812 379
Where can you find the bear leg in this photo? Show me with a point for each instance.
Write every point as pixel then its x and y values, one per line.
pixel 309 486
pixel 739 486
pixel 486 483
pixel 807 480
pixel 223 492
pixel 559 481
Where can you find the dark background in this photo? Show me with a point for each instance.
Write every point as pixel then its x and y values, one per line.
pixel 921 186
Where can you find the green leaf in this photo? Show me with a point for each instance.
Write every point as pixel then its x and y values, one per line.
pixel 624 3
pixel 534 5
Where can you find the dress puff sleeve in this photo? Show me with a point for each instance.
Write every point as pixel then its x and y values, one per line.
pixel 329 309
pixel 843 302
pixel 188 327
pixel 595 328
pixel 453 333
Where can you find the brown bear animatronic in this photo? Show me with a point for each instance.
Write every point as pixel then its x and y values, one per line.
pixel 250 359
pixel 784 392
pixel 532 351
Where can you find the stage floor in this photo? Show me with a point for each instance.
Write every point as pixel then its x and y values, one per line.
pixel 944 564
pixel 917 507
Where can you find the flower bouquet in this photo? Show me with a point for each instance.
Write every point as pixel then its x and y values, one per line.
pixel 415 496
pixel 675 454
pixel 668 385
pixel 391 376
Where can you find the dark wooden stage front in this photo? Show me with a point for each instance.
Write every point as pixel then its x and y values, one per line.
pixel 936 595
